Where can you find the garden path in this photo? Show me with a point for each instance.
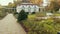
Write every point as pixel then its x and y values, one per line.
pixel 9 25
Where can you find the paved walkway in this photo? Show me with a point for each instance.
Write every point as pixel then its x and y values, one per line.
pixel 9 26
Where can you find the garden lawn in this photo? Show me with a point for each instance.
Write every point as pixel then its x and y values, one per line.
pixel 31 17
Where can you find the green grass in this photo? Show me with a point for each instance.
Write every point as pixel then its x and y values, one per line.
pixel 31 17
pixel 56 14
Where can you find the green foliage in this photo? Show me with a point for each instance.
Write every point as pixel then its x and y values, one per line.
pixel 55 6
pixel 22 15
pixel 57 20
pixel 31 17
pixel 33 12
pixel 15 13
pixel 48 26
pixel 40 27
pixel 40 14
pixel 2 14
pixel 27 12
pixel 56 14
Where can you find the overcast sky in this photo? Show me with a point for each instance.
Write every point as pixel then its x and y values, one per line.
pixel 5 2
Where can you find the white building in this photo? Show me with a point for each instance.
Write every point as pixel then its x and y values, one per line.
pixel 28 7
pixel 46 2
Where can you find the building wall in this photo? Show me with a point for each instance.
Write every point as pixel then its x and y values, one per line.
pixel 28 8
pixel 46 2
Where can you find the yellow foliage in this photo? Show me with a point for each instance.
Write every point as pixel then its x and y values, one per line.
pixel 36 1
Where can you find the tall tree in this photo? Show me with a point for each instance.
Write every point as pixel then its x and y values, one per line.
pixel 54 6
pixel 37 1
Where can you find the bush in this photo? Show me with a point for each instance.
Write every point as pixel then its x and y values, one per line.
pixel 42 27
pixel 22 15
pixel 2 14
pixel 15 12
pixel 27 12
pixel 56 20
pixel 33 12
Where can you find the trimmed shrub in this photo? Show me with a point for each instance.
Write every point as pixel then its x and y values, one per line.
pixel 27 13
pixel 33 12
pixel 22 15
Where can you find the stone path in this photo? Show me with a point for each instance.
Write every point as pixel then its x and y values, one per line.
pixel 9 26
